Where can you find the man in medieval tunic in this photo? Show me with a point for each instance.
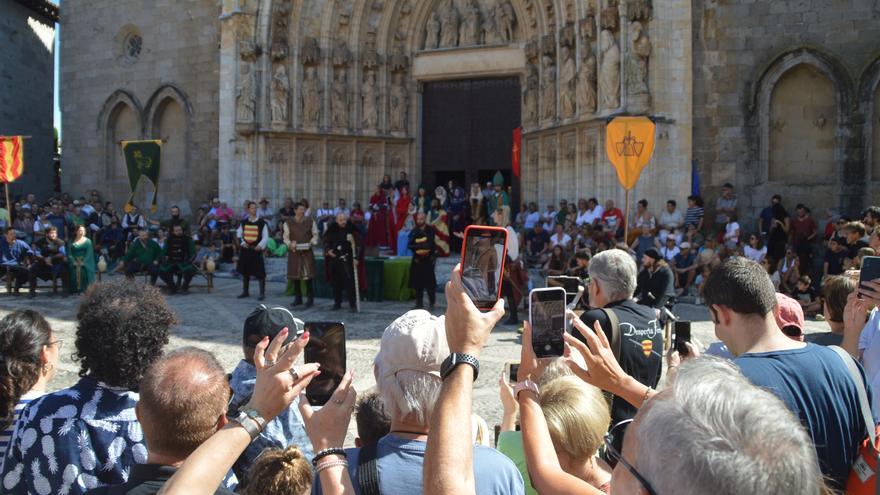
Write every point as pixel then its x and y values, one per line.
pixel 340 248
pixel 178 256
pixel 253 235
pixel 300 234
pixel 421 272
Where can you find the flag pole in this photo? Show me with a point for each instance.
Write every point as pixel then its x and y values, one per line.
pixel 626 220
pixel 8 205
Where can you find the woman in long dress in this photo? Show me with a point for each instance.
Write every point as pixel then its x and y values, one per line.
pixel 437 218
pixel 458 216
pixel 81 261
pixel 401 210
pixel 379 226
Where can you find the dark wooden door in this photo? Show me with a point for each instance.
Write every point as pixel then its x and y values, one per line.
pixel 467 130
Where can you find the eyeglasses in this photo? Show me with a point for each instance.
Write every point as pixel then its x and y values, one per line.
pixel 613 446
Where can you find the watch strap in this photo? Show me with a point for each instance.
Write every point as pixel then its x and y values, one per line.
pixel 248 423
pixel 526 384
pixel 457 358
pixel 254 415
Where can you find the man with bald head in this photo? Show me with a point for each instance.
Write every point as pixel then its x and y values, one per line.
pixel 341 245
pixel 421 272
pixel 183 398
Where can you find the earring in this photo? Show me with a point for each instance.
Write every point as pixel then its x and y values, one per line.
pixel 47 368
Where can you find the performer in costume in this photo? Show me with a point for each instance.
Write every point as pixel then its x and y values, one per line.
pixel 253 234
pixel 515 277
pixel 422 200
pixel 458 216
pixel 49 260
pixel 379 226
pixel 143 255
pixel 421 273
pixel 81 258
pixel 178 256
pixel 499 199
pixel 300 234
pixel 339 259
pixel 401 213
pixel 437 219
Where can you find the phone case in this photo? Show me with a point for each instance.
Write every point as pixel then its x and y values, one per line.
pixel 566 328
pixel 503 259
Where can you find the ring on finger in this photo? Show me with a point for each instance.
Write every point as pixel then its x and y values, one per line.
pixel 338 401
pixel 270 363
pixel 294 374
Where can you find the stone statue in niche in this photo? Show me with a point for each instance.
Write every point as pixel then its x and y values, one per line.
pixel 245 95
pixel 280 93
pixel 490 28
pixel 586 97
pixel 567 84
pixel 530 96
pixel 369 102
pixel 609 18
pixel 311 52
pixel 609 72
pixel 399 104
pixel 548 88
pixel 449 23
pixel 505 19
pixel 639 10
pixel 339 99
pixel 469 32
pixel 637 66
pixel 432 32
pixel 311 97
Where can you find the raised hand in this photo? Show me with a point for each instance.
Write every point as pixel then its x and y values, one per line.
pixel 278 382
pixel 467 328
pixel 327 426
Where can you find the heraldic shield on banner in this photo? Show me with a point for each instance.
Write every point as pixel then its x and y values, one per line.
pixel 142 158
pixel 629 144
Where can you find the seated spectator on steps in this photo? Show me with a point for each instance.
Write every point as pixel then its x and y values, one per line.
pixel 811 380
pixel 835 257
pixel 182 402
pixel 537 246
pixel 287 429
pixel 92 437
pixel 806 296
pixel 655 283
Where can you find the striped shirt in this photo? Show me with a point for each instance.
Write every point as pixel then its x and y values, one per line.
pixel 693 216
pixel 6 435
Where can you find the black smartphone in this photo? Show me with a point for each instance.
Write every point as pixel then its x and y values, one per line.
pixel 326 347
pixel 870 270
pixel 512 370
pixel 570 284
pixel 682 335
pixel 547 317
pixel 482 264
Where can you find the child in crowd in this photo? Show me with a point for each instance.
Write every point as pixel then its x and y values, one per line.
pixel 371 418
pixel 807 297
pixel 280 472
pixel 287 429
pixel 862 253
pixel 701 279
pixel 835 256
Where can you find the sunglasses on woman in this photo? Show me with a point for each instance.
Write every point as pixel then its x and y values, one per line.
pixel 613 447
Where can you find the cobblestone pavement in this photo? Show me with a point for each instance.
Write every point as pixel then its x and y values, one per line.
pixel 214 321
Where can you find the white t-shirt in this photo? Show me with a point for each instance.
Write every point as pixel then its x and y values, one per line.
pixel 594 215
pixel 565 241
pixel 869 344
pixel 669 254
pixel 730 231
pixel 512 243
pixel 753 254
pixel 672 221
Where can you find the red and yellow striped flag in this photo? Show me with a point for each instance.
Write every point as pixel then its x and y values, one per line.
pixel 11 158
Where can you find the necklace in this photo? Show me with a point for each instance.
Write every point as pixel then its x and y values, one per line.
pixel 420 433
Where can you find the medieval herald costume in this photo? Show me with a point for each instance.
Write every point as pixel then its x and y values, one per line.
pixel 299 236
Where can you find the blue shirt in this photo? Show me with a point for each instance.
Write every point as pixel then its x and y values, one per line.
pixel 13 254
pixel 285 430
pixel 766 219
pixel 59 222
pixel 814 383
pixel 400 461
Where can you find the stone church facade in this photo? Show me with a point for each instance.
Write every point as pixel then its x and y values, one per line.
pixel 320 98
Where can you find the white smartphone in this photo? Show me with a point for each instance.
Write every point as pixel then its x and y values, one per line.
pixel 547 318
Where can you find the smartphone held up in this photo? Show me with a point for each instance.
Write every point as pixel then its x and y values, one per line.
pixel 547 319
pixel 482 264
pixel 326 347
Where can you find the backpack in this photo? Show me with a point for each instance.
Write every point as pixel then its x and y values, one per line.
pixel 863 476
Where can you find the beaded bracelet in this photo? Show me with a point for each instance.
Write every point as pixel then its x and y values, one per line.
pixel 331 451
pixel 329 464
pixel 647 393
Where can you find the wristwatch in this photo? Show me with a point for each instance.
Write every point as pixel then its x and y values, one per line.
pixel 249 425
pixel 526 384
pixel 254 415
pixel 457 358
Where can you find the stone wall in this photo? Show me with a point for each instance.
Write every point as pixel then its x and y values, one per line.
pixel 814 146
pixel 27 59
pixel 140 70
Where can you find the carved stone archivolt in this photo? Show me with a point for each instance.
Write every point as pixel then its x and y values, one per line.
pixel 450 20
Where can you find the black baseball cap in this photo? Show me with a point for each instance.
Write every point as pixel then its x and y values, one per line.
pixel 268 322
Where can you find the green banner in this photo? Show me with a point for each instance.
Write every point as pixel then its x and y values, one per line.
pixel 142 158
